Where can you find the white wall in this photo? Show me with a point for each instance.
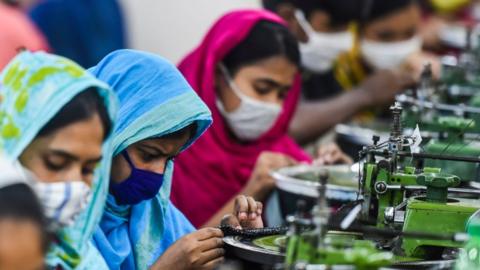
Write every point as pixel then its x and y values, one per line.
pixel 172 28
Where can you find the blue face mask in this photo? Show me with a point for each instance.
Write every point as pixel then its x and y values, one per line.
pixel 141 185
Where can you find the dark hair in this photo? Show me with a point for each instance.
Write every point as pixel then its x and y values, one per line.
pixel 18 201
pixel 377 9
pixel 190 130
pixel 81 107
pixel 272 5
pixel 265 40
pixel 341 12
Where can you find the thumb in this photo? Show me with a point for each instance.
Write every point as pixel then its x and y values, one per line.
pixel 231 220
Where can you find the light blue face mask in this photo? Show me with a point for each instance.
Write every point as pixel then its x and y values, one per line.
pixel 141 185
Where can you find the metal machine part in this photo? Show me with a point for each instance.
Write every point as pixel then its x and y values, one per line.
pixel 319 248
pixel 459 109
pixel 304 180
pixel 244 249
pixel 301 183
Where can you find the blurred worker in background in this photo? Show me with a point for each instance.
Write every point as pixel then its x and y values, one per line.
pixel 82 30
pixel 333 94
pixel 17 31
pixel 388 39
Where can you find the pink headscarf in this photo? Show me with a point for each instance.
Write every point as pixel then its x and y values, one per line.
pixel 17 31
pixel 217 167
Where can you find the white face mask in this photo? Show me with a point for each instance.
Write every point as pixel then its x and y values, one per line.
pixel 321 49
pixel 252 118
pixel 388 55
pixel 63 201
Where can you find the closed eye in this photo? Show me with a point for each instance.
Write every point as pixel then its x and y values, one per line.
pixel 265 86
pixel 53 166
pixel 386 36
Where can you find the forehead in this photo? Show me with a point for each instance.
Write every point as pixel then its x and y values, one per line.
pixel 401 19
pixel 278 69
pixel 82 139
pixel 166 144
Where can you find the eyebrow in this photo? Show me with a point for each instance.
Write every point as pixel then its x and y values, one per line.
pixel 275 84
pixel 69 156
pixel 160 151
pixel 63 154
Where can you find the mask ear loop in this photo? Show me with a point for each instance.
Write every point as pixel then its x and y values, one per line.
pixel 239 93
pixel 228 77
pixel 127 158
pixel 302 21
pixel 232 84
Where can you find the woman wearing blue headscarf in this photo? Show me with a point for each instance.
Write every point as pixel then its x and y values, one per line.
pixel 55 119
pixel 160 116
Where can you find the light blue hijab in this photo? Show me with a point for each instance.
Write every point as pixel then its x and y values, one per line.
pixel 33 88
pixel 155 100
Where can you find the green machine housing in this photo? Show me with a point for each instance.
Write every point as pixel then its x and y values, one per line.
pixel 398 193
pixel 453 142
pixel 456 136
pixel 413 199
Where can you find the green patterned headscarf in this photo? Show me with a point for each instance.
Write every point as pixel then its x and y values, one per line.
pixel 33 89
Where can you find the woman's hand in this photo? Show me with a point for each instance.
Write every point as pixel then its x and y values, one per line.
pixel 416 62
pixel 261 183
pixel 199 250
pixel 247 214
pixel 329 154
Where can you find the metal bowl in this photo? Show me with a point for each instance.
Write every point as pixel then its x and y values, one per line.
pixel 245 250
pixel 303 180
pixel 301 183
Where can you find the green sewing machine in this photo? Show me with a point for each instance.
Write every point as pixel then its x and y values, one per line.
pixel 407 214
pixel 413 212
pixel 320 247
pixel 414 198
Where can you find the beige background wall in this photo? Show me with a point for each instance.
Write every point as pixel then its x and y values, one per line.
pixel 172 28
